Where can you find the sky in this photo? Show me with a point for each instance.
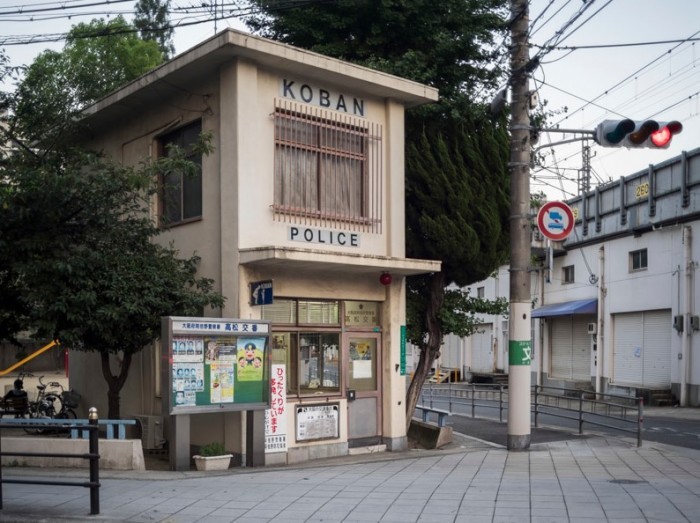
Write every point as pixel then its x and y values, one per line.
pixel 611 83
pixel 659 81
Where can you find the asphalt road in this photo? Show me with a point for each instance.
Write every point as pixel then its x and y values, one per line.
pixel 486 426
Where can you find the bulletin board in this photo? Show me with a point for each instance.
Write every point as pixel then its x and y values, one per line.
pixel 215 365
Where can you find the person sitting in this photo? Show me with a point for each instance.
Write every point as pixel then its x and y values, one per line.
pixel 16 400
pixel 17 392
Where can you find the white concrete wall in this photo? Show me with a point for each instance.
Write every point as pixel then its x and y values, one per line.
pixel 115 454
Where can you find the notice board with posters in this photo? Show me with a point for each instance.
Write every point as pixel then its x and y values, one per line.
pixel 215 364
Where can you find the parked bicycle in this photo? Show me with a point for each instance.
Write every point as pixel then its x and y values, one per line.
pixel 66 401
pixel 52 401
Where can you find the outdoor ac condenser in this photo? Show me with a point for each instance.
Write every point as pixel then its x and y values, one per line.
pixel 151 431
pixel 592 328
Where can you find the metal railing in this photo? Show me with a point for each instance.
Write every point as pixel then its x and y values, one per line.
pixel 93 455
pixel 617 412
pixel 114 428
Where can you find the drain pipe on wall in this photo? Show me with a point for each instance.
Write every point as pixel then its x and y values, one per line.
pixel 601 321
pixel 685 342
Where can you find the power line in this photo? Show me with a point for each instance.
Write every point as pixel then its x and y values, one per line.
pixel 612 46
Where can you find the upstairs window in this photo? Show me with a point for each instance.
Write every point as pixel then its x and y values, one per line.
pixel 181 195
pixel 638 260
pixel 480 292
pixel 568 274
pixel 327 168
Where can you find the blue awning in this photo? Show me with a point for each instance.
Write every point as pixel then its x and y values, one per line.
pixel 567 308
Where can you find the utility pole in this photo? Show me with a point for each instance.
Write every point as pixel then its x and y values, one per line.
pixel 519 345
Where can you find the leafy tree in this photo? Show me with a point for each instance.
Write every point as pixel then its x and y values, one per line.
pixel 456 163
pixel 153 22
pixel 97 58
pixel 78 260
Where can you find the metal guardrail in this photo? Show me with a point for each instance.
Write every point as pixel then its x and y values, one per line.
pixel 93 455
pixel 612 411
pixel 78 427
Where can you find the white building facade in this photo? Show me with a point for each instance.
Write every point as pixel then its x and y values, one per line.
pixel 615 305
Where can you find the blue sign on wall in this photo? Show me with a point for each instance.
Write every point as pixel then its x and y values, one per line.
pixel 261 292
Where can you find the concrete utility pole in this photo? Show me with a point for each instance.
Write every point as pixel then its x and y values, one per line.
pixel 519 346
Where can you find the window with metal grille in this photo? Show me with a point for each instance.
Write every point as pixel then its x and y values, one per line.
pixel 327 168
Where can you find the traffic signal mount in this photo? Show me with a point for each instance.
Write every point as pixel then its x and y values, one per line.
pixel 628 133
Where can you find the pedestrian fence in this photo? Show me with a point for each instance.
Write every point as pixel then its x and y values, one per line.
pixel 113 428
pixel 93 455
pixel 613 411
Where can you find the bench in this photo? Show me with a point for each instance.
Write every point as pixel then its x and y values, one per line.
pixel 441 414
pixel 14 406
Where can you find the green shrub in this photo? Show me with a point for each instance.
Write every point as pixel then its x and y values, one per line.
pixel 212 449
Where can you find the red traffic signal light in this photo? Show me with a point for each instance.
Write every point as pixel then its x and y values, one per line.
pixel 662 137
pixel 642 134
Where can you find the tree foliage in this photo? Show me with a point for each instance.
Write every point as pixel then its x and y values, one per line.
pixel 152 19
pixel 456 165
pixel 78 260
pixel 448 44
pixel 98 57
pixel 457 212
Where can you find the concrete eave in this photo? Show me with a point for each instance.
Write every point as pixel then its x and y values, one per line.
pixel 205 58
pixel 313 260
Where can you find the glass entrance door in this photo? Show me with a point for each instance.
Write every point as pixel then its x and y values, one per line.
pixel 364 381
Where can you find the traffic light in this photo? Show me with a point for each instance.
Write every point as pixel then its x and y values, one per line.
pixel 628 133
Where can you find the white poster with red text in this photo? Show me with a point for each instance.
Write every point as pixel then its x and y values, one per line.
pixel 276 415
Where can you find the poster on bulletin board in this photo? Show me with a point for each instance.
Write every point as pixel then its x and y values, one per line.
pixel 214 364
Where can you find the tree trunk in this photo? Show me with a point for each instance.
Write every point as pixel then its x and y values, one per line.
pixel 114 383
pixel 430 350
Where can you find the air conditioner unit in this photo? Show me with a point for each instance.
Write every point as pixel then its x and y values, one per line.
pixel 592 328
pixel 151 431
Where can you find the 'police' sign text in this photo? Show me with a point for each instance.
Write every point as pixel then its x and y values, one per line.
pixel 309 235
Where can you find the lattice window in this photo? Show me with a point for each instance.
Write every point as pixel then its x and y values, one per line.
pixel 328 168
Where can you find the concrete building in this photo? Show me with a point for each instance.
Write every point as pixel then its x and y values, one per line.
pixel 305 189
pixel 615 306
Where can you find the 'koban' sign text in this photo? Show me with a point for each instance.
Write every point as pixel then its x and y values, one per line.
pixel 308 235
pixel 309 94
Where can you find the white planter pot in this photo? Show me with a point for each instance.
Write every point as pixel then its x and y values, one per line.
pixel 213 462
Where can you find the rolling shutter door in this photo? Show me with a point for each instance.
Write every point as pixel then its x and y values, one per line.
pixel 571 348
pixel 482 349
pixel 451 352
pixel 628 348
pixel 561 343
pixel 581 349
pixel 656 358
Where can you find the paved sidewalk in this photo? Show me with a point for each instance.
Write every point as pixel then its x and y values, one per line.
pixel 578 480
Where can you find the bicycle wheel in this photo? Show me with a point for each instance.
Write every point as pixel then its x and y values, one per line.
pixel 54 405
pixel 33 413
pixel 66 414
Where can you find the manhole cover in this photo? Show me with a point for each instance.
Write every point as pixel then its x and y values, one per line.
pixel 627 481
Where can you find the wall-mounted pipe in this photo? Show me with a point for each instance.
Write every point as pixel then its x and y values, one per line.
pixel 685 340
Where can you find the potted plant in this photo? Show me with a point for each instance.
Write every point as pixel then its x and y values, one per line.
pixel 212 456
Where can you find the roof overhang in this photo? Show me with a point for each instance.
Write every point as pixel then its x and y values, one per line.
pixel 567 308
pixel 178 74
pixel 314 261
